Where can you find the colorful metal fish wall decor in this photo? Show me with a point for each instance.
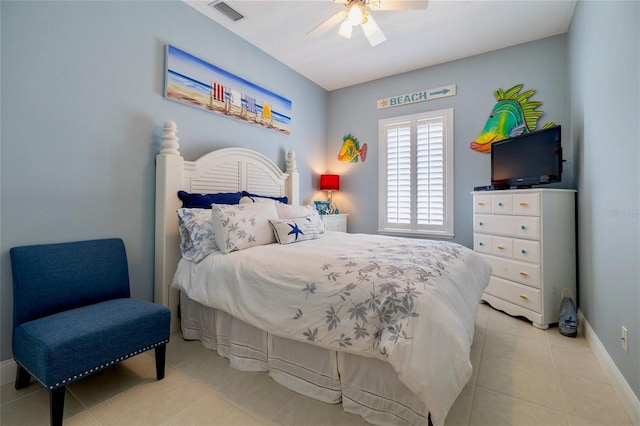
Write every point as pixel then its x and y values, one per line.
pixel 513 115
pixel 351 150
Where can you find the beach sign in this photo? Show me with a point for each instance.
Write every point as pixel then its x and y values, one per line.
pixel 415 97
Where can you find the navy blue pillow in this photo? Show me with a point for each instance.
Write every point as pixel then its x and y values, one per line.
pixel 283 200
pixel 204 201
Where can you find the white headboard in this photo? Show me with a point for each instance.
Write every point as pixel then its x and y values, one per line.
pixel 223 170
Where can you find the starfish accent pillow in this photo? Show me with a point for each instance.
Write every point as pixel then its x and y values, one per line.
pixel 294 230
pixel 288 211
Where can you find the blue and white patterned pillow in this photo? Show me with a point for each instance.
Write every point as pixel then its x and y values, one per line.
pixel 242 226
pixel 294 230
pixel 197 237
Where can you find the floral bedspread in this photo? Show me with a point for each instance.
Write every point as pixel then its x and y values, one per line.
pixel 410 302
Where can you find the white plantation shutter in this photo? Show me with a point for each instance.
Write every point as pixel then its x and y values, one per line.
pixel 399 174
pixel 416 178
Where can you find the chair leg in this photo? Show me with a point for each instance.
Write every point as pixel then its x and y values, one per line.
pixel 161 354
pixel 56 405
pixel 23 378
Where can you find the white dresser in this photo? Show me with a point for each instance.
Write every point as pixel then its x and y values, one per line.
pixel 528 238
pixel 335 222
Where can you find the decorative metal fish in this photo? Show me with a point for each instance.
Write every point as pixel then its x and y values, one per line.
pixel 513 115
pixel 351 150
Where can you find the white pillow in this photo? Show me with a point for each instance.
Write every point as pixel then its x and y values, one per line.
pixel 294 230
pixel 288 211
pixel 197 239
pixel 242 226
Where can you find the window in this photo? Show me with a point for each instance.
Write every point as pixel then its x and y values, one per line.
pixel 416 174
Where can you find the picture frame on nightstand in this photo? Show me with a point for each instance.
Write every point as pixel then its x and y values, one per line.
pixel 323 207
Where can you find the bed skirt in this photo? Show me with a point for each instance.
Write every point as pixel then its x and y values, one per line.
pixel 365 386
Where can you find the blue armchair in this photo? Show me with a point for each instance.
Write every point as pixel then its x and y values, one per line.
pixel 73 315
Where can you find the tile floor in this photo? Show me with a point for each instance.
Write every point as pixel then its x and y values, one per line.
pixel 522 376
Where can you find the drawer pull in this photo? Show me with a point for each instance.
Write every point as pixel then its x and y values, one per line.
pixel 523 251
pixel 500 247
pixel 524 274
pixel 523 297
pixel 481 244
pixel 481 204
pixel 523 204
pixel 523 227
pixel 500 204
pixel 480 223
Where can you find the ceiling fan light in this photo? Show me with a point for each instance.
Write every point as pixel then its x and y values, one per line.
pixel 369 26
pixel 356 13
pixel 345 29
pixel 372 31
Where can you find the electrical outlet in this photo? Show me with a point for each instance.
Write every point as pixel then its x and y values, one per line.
pixel 625 339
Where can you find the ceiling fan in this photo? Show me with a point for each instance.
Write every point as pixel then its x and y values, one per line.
pixel 357 13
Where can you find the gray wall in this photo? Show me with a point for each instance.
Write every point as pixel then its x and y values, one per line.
pixel 82 109
pixel 604 69
pixel 539 65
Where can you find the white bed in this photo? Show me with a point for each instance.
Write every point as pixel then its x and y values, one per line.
pixel 395 368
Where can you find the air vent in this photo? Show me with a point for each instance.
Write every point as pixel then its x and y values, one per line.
pixel 227 10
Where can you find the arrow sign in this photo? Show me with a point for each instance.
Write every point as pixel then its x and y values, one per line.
pixel 440 92
pixel 421 96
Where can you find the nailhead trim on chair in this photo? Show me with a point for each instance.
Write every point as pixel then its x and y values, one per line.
pixel 102 366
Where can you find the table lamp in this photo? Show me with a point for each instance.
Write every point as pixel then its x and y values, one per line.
pixel 330 183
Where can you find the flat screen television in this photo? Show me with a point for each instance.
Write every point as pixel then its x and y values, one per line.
pixel 531 159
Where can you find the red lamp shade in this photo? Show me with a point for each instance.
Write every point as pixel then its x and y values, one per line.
pixel 329 182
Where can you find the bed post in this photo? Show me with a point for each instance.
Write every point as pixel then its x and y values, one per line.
pixel 293 180
pixel 169 180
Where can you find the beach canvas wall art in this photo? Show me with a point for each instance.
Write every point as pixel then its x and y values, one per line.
pixel 195 82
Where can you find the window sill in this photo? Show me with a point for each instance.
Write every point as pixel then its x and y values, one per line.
pixel 415 234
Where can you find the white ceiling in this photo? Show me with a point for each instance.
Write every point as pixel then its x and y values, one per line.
pixel 444 31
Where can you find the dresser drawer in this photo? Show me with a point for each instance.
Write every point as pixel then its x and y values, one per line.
pixel 502 204
pixel 509 204
pixel 522 272
pixel 521 295
pixel 526 204
pixel 498 246
pixel 502 246
pixel 482 243
pixel 482 203
pixel 512 226
pixel 525 227
pixel 526 251
pixel 486 223
pixel 513 248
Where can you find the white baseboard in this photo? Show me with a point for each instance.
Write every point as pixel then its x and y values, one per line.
pixel 628 399
pixel 7 371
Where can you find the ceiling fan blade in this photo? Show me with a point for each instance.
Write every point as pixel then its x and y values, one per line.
pixel 398 4
pixel 329 23
pixel 345 29
pixel 372 31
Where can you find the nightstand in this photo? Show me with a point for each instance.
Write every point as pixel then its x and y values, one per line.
pixel 334 222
